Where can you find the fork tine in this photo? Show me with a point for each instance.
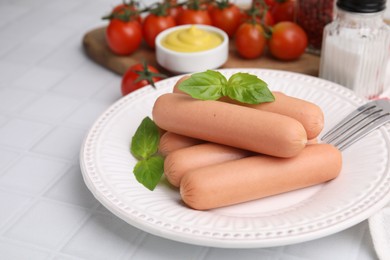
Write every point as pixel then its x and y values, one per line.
pixel 359 123
pixel 354 124
pixel 366 129
pixel 348 118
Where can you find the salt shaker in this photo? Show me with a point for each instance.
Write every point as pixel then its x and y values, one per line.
pixel 356 47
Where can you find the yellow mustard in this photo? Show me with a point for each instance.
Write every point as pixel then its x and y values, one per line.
pixel 192 39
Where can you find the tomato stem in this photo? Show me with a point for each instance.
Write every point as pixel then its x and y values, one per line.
pixel 159 9
pixel 130 3
pixel 222 4
pixel 147 75
pixel 257 15
pixel 268 30
pixel 125 15
pixel 197 4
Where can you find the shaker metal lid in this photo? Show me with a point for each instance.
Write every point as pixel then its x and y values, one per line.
pixel 362 6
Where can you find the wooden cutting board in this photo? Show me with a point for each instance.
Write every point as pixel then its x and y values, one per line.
pixel 96 48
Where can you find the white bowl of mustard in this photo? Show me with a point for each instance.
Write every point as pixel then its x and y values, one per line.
pixel 192 48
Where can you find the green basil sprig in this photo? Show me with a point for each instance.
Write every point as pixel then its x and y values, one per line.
pixel 212 85
pixel 144 147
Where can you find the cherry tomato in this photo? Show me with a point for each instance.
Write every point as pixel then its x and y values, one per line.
pixel 193 16
pixel 288 41
pixel 138 76
pixel 227 18
pixel 123 38
pixel 153 25
pixel 283 11
pixel 250 40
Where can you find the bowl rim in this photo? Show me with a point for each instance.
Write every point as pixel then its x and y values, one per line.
pixel 161 35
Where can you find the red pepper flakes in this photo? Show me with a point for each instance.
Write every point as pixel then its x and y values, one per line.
pixel 312 16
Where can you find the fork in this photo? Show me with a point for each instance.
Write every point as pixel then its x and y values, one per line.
pixel 358 124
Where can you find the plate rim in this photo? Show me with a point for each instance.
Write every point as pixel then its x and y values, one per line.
pixel 170 233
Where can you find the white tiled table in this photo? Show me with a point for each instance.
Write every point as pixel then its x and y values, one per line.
pixel 50 94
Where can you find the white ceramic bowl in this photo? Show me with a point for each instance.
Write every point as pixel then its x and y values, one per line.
pixel 189 62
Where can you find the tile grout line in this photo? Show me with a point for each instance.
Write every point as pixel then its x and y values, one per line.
pixel 35 198
pixel 76 229
pixel 138 241
pixel 56 250
pixel 204 252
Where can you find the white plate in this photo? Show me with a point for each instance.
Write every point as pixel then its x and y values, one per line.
pixel 362 188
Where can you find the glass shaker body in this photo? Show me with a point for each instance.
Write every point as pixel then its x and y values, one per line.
pixel 313 16
pixel 356 51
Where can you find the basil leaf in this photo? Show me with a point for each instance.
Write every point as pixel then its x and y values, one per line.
pixel 144 147
pixel 148 172
pixel 206 85
pixel 248 88
pixel 145 140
